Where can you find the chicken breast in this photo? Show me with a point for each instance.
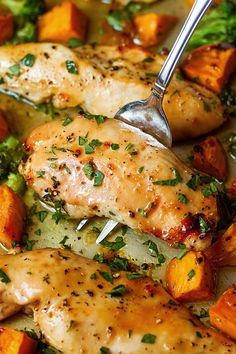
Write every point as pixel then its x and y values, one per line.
pixel 114 170
pixel 81 307
pixel 102 79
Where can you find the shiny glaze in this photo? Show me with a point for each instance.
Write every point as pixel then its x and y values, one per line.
pixel 124 191
pixel 107 79
pixel 76 314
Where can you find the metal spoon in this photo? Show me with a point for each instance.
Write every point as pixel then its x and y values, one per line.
pixel 148 115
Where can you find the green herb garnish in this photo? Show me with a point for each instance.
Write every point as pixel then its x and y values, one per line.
pixel 67 121
pixel 4 278
pixel 118 291
pixel 149 338
pixel 28 60
pixel 71 67
pixel 170 182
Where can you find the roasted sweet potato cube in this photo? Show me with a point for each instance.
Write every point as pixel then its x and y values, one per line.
pixel 62 23
pixel 3 126
pixel 210 157
pixel 211 65
pixel 190 278
pixel 16 342
pixel 223 252
pixel 223 313
pixel 152 27
pixel 6 25
pixel 12 214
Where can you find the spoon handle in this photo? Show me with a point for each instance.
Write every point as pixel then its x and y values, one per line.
pixel 195 15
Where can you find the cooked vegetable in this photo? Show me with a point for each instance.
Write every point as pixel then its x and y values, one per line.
pixel 62 23
pixel 25 13
pixel 223 252
pixel 16 342
pixel 12 213
pixel 6 25
pixel 152 27
pixel 210 157
pixel 3 126
pixel 223 313
pixel 11 153
pixel 190 278
pixel 218 26
pixel 211 66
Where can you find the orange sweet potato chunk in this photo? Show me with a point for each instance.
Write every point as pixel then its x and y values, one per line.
pixel 223 313
pixel 3 126
pixel 211 65
pixel 15 342
pixel 151 28
pixel 63 22
pixel 190 278
pixel 223 252
pixel 6 25
pixel 210 157
pixel 12 214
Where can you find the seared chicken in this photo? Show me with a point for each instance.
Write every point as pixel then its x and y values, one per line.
pixel 102 79
pixel 80 307
pixel 114 170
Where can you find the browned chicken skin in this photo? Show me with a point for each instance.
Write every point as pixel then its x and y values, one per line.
pixel 113 170
pixel 74 309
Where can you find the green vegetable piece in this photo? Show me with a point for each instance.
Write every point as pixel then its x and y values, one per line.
pixel 16 182
pixel 132 276
pixel 183 199
pixel 193 182
pixel 4 278
pixel 98 178
pixel 107 276
pixel 115 245
pixel 71 67
pixel 88 149
pixel 67 121
pixel 171 182
pixel 105 350
pixel 203 225
pixel 14 70
pixel 149 338
pixel 118 291
pixel 191 274
pixel 28 60
pixel 115 146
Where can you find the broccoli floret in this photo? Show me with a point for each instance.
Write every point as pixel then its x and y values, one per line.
pixel 11 154
pixel 16 182
pixel 25 13
pixel 218 26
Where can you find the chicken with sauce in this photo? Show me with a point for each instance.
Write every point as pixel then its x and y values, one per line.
pixel 82 307
pixel 111 169
pixel 104 78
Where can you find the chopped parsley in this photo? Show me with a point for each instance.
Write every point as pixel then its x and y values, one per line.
pixel 203 225
pixel 149 338
pixel 182 253
pixel 14 70
pixel 63 243
pixel 140 169
pixel 115 146
pixel 93 276
pixel 142 212
pixel 38 232
pixel 98 178
pixel 67 121
pixel 118 291
pixel 1 80
pixel 105 350
pixel 152 247
pixel 82 140
pixel 41 215
pixel 107 276
pixel 193 182
pixel 191 274
pixel 170 182
pixel 132 276
pixel 71 67
pixel 99 258
pixel 95 142
pixel 130 333
pixel 99 118
pixel 88 170
pixel 40 173
pixel 4 278
pixel 88 149
pixel 129 146
pixel 28 244
pixel 28 60
pixel 183 199
pixel 115 245
pixel 119 263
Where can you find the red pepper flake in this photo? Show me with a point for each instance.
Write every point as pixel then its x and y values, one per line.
pixel 151 289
